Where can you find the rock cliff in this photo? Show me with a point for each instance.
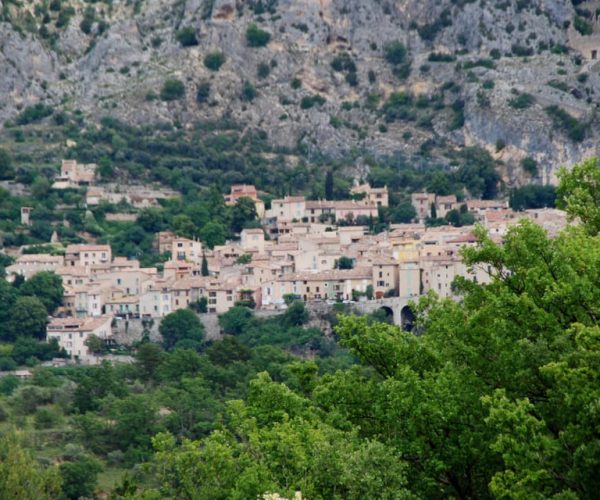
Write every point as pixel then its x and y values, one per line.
pixel 333 74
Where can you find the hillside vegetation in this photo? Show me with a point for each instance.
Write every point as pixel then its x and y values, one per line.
pixel 496 398
pixel 343 78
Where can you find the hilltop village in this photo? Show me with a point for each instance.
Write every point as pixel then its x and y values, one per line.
pixel 307 250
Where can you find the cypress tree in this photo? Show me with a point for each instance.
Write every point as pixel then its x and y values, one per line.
pixel 329 185
pixel 205 271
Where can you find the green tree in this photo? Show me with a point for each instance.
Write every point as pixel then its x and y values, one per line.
pixel 577 193
pixel 179 325
pixel 29 318
pixel 329 185
pixel 200 306
pixel 47 287
pixel 21 476
pixel 433 211
pixel 40 187
pixel 148 358
pixel 244 211
pixel 6 168
pixel 151 220
pixel 95 344
pixel 532 196
pixel 135 422
pixel 187 36
pixel 172 90
pixel 213 234
pixel 8 297
pixel 395 52
pixel 79 478
pixel 255 37
pixel 202 92
pixel 296 314
pixel 275 443
pixel 236 320
pixel 214 60
pixel 344 263
pixel 248 92
pixel 204 268
pixel 403 213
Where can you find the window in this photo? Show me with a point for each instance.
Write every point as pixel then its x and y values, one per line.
pixel 594 54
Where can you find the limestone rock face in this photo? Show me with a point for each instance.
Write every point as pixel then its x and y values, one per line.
pixel 114 66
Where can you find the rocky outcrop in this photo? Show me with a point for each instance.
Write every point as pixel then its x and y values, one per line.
pixel 119 66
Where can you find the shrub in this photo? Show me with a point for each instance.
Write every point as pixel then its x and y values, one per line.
pixel 296 83
pixel 187 36
pixel 352 79
pixel 64 17
pixel 203 92
pixel 561 119
pixel 343 62
pixel 395 52
pixel 557 84
pixel 248 92
pixel 172 90
pixel 33 113
pixel 88 20
pixel 483 63
pixel 263 70
pixel 520 51
pixel 214 60
pixel 308 102
pixel 522 101
pixel 441 57
pixel 529 165
pixel 257 37
pixel 581 25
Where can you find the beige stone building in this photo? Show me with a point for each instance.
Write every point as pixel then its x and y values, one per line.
pixel 253 239
pixel 71 333
pixel 187 250
pixel 29 264
pixel 377 197
pixel 87 255
pixel 73 175
pixel 290 208
pixel 384 277
pixel 422 202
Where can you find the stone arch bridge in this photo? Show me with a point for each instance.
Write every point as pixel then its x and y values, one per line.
pixel 396 307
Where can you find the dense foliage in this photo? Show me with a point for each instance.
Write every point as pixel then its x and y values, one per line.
pixel 496 399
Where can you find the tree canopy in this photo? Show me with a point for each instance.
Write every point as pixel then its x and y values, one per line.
pixel 496 399
pixel 180 325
